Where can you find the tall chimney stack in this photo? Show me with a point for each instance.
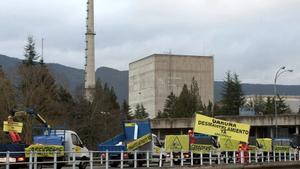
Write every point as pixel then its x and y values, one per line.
pixel 90 52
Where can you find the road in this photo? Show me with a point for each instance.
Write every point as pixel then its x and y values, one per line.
pixel 276 165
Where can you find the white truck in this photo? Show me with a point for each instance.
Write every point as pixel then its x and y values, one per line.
pixel 66 143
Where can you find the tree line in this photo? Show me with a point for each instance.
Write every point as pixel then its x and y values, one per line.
pixel 233 98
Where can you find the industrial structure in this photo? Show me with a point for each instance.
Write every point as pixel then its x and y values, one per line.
pixel 90 51
pixel 153 78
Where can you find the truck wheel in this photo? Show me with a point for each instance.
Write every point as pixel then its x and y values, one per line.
pixel 14 167
pixel 140 163
pixel 83 163
pixel 197 161
pixel 39 166
pixel 131 164
pixel 59 166
pixel 176 162
pixel 114 164
pixel 60 162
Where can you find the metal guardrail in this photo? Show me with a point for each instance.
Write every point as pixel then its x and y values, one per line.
pixel 123 159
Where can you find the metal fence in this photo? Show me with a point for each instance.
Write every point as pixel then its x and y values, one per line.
pixel 135 159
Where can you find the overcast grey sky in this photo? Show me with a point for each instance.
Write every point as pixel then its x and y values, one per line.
pixel 251 37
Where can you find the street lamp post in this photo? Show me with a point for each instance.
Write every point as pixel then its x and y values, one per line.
pixel 279 72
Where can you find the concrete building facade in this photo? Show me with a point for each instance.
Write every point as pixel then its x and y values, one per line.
pixel 153 78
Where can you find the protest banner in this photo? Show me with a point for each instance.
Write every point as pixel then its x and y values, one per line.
pixel 221 128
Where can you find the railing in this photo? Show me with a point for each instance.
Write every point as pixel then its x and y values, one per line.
pixel 135 159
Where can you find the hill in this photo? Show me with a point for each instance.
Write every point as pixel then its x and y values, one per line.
pixel 71 78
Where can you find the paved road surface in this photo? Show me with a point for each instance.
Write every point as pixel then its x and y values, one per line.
pixel 277 165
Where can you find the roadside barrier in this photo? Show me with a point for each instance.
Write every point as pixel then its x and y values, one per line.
pixel 135 159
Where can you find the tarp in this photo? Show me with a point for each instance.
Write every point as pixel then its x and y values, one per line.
pixel 264 144
pixel 221 128
pixel 44 150
pixel 201 148
pixel 176 143
pixel 282 149
pixel 12 126
pixel 227 144
pixel 139 142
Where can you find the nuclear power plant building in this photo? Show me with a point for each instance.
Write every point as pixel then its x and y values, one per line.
pixel 153 78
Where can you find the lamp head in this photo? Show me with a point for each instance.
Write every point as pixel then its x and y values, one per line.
pixel 291 70
pixel 283 67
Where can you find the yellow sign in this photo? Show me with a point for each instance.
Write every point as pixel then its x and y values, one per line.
pixel 221 128
pixel 282 149
pixel 77 149
pixel 201 148
pixel 176 143
pixel 156 149
pixel 12 126
pixel 139 142
pixel 45 150
pixel 264 144
pixel 228 144
pixel 130 124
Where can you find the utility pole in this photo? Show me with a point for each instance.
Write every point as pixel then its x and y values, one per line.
pixel 279 72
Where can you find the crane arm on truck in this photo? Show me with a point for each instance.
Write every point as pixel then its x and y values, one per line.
pixel 33 114
pixel 14 135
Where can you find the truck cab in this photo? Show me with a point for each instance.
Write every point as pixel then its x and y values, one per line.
pixel 71 143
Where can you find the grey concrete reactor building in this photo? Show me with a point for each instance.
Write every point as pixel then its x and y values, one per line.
pixel 153 78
